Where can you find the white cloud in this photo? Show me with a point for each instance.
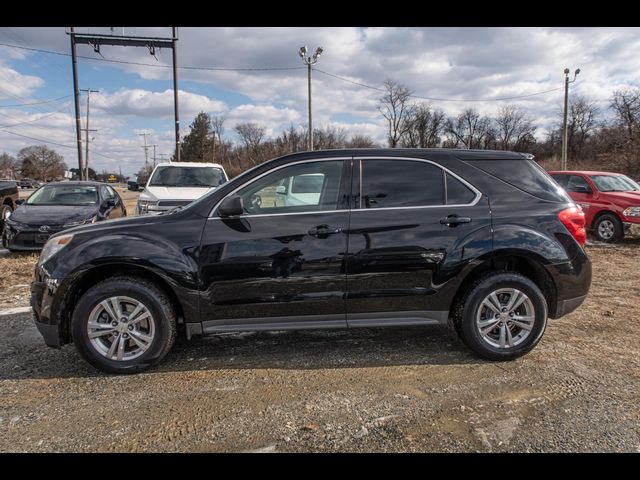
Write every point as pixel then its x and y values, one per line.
pixel 145 103
pixel 16 86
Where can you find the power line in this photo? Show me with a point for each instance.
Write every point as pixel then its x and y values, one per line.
pixel 36 103
pixel 30 121
pixel 51 142
pixel 157 65
pixel 185 67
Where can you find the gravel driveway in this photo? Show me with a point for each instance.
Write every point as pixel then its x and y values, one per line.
pixel 400 389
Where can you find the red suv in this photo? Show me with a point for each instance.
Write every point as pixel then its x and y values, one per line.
pixel 611 201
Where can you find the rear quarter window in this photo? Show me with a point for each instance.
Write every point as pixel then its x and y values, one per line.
pixel 525 175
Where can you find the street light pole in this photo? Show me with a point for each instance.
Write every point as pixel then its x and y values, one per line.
pixel 309 61
pixel 563 162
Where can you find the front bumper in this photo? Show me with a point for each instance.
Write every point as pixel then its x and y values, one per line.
pixel 27 239
pixel 42 302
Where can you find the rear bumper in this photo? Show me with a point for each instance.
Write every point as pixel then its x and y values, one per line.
pixel 572 280
pixel 565 307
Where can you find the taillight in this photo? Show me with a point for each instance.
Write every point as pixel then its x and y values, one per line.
pixel 573 219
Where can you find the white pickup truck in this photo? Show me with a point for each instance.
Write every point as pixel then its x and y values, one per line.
pixel 176 184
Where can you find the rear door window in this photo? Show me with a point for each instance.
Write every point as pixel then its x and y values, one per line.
pixel 457 192
pixel 401 183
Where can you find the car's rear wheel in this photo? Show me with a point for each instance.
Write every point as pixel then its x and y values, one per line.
pixel 609 228
pixel 124 325
pixel 502 316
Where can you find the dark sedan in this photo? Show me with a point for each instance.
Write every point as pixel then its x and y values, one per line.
pixel 57 206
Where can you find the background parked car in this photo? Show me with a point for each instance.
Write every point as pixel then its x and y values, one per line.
pixel 611 201
pixel 29 183
pixel 57 206
pixel 177 184
pixel 8 198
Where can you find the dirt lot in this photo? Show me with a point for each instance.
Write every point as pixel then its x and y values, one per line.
pixel 361 390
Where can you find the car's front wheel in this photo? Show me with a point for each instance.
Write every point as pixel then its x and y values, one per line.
pixel 502 316
pixel 124 325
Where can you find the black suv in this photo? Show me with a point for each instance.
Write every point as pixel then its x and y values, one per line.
pixel 484 240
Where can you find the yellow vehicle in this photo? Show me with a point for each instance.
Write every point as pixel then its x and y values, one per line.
pixel 112 179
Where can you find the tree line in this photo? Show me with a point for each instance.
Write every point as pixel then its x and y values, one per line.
pixel 595 140
pixel 36 161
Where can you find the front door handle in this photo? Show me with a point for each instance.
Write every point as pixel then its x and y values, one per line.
pixel 454 220
pixel 322 231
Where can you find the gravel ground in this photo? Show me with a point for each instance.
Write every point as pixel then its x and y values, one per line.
pixel 363 390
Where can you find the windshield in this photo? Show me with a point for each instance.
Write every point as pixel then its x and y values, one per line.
pixel 615 183
pixel 64 195
pixel 174 176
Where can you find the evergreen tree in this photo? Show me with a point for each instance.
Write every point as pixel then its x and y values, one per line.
pixel 197 144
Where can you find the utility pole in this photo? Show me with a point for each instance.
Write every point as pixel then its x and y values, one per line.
pixel 175 90
pixel 76 96
pixel 151 43
pixel 563 161
pixel 87 130
pixel 308 61
pixel 144 135
pixel 154 155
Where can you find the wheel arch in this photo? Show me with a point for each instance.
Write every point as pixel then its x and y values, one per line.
pixel 88 278
pixel 513 262
pixel 600 214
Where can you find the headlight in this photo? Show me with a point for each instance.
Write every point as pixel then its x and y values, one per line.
pixel 631 212
pixel 143 206
pixel 9 221
pixel 81 222
pixel 53 246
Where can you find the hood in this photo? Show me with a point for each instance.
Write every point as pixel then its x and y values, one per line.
pixel 174 193
pixel 629 199
pixel 53 214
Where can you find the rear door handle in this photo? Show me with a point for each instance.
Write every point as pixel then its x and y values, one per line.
pixel 323 231
pixel 453 220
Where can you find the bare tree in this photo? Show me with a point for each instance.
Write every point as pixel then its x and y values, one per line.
pixel 361 141
pixel 625 103
pixel 217 127
pixel 468 129
pixel 514 129
pixel 329 137
pixel 41 163
pixel 395 108
pixel 424 127
pixel 250 133
pixel 8 166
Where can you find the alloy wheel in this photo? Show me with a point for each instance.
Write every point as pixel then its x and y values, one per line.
pixel 505 318
pixel 121 328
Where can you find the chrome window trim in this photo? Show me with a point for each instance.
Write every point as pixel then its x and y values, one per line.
pixel 444 169
pixel 360 209
pixel 211 214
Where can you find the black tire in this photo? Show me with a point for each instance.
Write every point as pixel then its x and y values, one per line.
pixel 611 221
pixel 466 309
pixel 3 212
pixel 142 290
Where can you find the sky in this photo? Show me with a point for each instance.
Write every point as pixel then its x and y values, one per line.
pixel 447 66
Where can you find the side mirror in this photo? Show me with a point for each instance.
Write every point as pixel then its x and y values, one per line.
pixel 110 202
pixel 231 206
pixel 281 190
pixel 20 201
